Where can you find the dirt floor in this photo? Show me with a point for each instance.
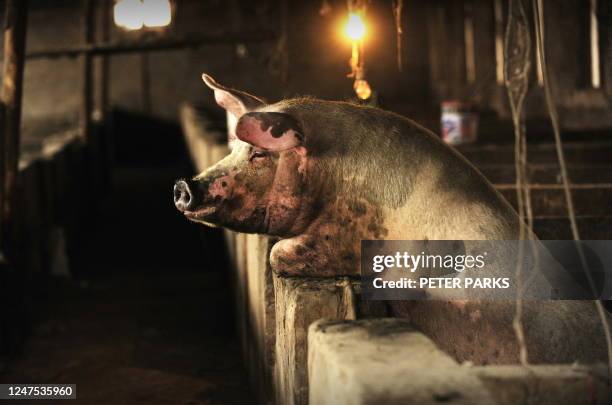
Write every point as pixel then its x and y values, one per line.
pixel 148 317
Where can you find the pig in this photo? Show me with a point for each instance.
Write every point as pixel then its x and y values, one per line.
pixel 322 176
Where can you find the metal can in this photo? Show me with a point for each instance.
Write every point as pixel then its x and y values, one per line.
pixel 459 122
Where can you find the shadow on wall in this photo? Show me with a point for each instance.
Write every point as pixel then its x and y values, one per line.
pixel 141 140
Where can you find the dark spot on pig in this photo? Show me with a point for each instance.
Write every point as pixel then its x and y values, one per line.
pixel 317 206
pixel 279 123
pixel 251 187
pixel 376 228
pixel 235 203
pixel 357 208
pixel 310 244
pixel 300 250
pixel 283 260
pixel 223 184
pixel 349 257
pixel 255 220
pixel 239 177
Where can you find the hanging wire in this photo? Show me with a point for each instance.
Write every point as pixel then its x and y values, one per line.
pixel 326 9
pixel 517 50
pixel 397 15
pixel 554 119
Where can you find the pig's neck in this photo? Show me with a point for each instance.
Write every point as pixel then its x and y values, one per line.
pixel 330 244
pixel 315 194
pixel 340 210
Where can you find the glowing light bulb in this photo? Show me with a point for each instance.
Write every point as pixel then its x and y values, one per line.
pixel 355 27
pixel 157 13
pixel 362 89
pixel 128 14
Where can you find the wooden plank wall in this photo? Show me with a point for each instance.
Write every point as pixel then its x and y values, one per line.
pixel 568 46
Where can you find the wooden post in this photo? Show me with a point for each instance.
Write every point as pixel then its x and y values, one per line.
pixel 86 61
pixel 102 62
pixel 145 82
pixel 101 102
pixel 10 115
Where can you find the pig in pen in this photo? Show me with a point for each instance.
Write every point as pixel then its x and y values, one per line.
pixel 322 176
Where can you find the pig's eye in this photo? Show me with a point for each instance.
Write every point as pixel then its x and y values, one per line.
pixel 255 154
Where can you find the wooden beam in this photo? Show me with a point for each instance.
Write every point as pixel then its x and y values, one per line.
pixel 154 45
pixel 87 72
pixel 145 82
pixel 102 62
pixel 469 41
pixel 594 37
pixel 10 115
pixel 499 41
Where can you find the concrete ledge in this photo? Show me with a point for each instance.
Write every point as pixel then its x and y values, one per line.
pixel 546 384
pixel 386 361
pixel 299 302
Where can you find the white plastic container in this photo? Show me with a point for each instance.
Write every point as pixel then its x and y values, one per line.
pixel 459 122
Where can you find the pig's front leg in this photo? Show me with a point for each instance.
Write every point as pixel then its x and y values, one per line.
pixel 310 256
pixel 331 246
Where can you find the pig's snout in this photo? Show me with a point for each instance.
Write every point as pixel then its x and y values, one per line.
pixel 184 198
pixel 194 198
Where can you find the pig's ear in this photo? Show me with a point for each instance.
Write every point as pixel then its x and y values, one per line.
pixel 273 131
pixel 235 102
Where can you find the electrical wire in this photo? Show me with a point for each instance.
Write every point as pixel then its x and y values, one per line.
pixel 554 119
pixel 517 51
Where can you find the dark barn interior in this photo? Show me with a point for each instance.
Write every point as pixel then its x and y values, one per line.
pixel 103 284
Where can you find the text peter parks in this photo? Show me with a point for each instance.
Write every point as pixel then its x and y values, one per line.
pixel 455 269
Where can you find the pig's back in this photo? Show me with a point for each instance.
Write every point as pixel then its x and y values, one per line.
pixel 448 197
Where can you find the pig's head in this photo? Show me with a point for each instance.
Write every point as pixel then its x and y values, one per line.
pixel 261 185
